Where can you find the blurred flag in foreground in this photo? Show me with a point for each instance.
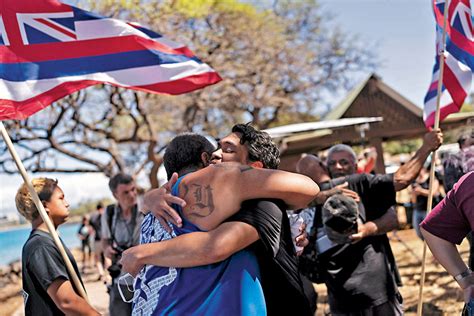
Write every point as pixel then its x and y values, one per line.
pixel 49 50
pixel 458 59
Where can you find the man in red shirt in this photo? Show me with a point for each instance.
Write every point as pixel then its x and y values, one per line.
pixel 447 225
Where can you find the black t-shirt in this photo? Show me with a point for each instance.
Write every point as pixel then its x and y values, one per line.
pixel 281 280
pixel 421 200
pixel 96 223
pixel 41 265
pixel 363 274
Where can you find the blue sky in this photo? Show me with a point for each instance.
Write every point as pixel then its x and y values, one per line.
pixel 403 32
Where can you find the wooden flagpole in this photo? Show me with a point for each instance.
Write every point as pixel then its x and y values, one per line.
pixel 433 155
pixel 44 216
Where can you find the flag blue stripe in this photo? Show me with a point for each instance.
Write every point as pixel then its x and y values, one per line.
pixel 460 54
pixel 431 94
pixel 148 32
pixel 87 65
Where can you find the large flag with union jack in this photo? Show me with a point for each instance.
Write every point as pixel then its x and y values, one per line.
pixel 49 50
pixel 458 59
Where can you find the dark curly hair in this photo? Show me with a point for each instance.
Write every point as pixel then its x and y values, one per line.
pixel 185 151
pixel 259 145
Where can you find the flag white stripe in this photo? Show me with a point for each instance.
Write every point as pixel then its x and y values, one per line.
pixel 20 91
pixel 461 71
pixel 105 28
pixel 430 106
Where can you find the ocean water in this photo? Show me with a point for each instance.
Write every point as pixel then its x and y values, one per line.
pixel 12 241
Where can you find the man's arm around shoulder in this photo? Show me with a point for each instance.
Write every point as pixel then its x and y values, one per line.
pixel 193 249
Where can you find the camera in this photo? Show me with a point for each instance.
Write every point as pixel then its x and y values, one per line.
pixel 116 268
pixel 323 243
pixel 119 250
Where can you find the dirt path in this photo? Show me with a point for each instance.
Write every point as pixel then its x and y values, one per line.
pixel 441 294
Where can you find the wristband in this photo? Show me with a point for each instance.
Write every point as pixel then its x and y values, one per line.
pixel 463 274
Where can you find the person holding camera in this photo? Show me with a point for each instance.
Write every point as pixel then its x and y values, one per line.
pixel 347 249
pixel 120 231
pixel 360 271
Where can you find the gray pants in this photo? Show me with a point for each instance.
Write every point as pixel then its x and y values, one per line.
pixel 117 307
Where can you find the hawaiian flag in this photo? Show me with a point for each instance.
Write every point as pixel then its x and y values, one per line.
pixel 49 50
pixel 458 59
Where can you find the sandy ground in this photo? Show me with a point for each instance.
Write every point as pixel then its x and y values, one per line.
pixel 441 295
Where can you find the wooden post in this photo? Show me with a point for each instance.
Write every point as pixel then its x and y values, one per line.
pixel 44 216
pixel 433 155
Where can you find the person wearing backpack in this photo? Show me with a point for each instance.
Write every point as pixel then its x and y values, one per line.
pixel 360 272
pixel 120 230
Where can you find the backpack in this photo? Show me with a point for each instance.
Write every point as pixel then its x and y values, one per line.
pixel 109 213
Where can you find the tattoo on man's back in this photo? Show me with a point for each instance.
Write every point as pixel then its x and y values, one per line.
pixel 242 168
pixel 203 200
pixel 245 168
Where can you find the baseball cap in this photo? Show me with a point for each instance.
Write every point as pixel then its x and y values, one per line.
pixel 340 214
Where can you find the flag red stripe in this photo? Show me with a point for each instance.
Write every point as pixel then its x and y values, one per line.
pixel 35 6
pixel 453 86
pixel 76 49
pixel 462 42
pixel 57 28
pixel 468 19
pixel 11 110
pixel 444 112
pixel 433 86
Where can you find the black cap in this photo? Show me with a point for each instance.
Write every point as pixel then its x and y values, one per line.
pixel 340 213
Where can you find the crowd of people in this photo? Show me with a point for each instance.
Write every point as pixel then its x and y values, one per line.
pixel 217 237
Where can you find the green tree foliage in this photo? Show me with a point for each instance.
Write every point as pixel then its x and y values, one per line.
pixel 402 146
